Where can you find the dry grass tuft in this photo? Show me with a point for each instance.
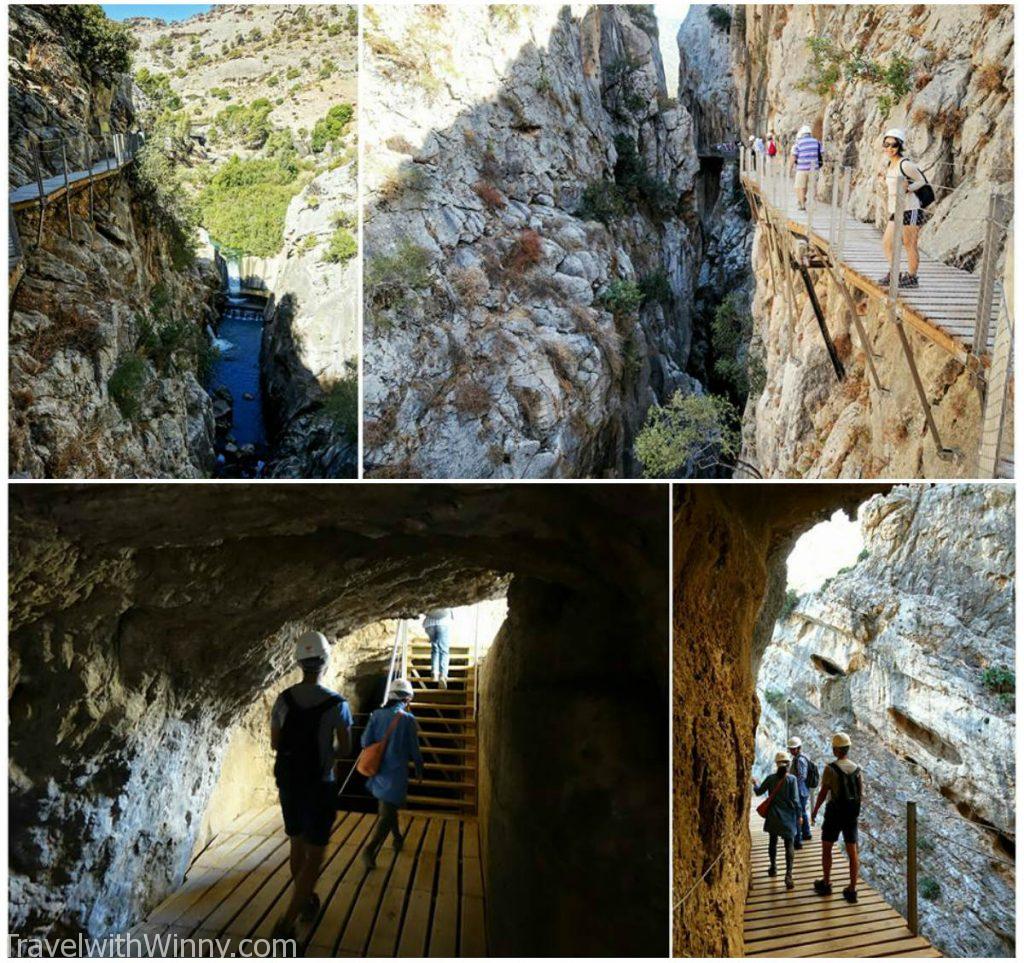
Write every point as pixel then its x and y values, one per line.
pixel 472 399
pixel 489 194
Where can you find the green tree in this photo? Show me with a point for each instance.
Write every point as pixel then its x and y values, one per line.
pixel 695 432
pixel 96 42
pixel 330 128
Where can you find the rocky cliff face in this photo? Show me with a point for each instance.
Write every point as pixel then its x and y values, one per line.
pixel 310 341
pixel 148 621
pixel 80 310
pixel 958 113
pixel 531 239
pixel 896 651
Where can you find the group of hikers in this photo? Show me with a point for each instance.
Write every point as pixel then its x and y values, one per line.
pixel 840 787
pixel 311 733
pixel 807 156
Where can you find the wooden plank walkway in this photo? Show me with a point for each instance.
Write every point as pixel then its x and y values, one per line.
pixel 53 187
pixel 426 900
pixel 943 308
pixel 798 922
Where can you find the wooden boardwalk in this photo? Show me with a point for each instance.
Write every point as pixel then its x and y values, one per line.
pixel 427 900
pixel 53 187
pixel 943 308
pixel 798 922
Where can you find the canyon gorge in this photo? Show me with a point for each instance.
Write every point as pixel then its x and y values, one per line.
pixel 238 211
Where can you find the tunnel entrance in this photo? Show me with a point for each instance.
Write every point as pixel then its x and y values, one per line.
pixel 190 634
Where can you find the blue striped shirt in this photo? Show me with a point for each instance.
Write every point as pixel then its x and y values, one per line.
pixel 807 152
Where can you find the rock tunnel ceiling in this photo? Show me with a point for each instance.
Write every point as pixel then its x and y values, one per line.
pixel 147 619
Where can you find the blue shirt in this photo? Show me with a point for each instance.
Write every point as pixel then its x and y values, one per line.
pixel 807 152
pixel 391 784
pixel 800 771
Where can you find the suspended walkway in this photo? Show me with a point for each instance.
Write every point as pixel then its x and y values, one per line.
pixel 427 900
pixel 82 161
pixel 965 314
pixel 798 922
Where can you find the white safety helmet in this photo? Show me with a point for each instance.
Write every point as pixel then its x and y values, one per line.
pixel 781 759
pixel 794 743
pixel 840 741
pixel 805 130
pixel 400 689
pixel 898 132
pixel 312 645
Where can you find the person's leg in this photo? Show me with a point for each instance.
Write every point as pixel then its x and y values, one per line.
pixel 435 656
pixel 805 819
pixel 773 848
pixel 887 242
pixel 444 649
pixel 910 243
pixel 305 882
pixel 826 861
pixel 297 856
pixel 854 857
pixel 789 861
pixel 379 832
pixel 392 821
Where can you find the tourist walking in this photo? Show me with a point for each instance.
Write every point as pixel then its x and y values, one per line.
pixel 806 774
pixel 394 726
pixel 310 730
pixel 918 195
pixel 806 157
pixel 437 623
pixel 772 149
pixel 781 813
pixel 842 783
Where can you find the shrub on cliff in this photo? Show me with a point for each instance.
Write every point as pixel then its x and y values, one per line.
pixel 731 328
pixel 157 87
pixel 330 129
pixel 695 432
pixel 622 298
pixel 341 405
pixel 789 604
pixel 248 124
pixel 390 279
pixel 96 42
pixel 342 247
pixel 719 17
pixel 245 203
pixel 126 384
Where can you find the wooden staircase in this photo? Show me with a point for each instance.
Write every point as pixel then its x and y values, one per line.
pixel 446 719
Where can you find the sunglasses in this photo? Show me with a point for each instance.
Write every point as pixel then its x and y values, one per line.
pixel 890 143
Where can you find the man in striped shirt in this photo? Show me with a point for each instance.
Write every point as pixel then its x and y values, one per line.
pixel 805 157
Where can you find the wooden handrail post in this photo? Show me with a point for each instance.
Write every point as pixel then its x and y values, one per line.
pixel 912 919
pixel 843 205
pixel 67 185
pixel 897 238
pixel 812 185
pixel 833 224
pixel 983 314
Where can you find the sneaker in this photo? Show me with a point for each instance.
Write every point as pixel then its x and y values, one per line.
pixel 772 871
pixel 798 845
pixel 397 843
pixel 850 894
pixel 885 280
pixel 789 882
pixel 908 280
pixel 369 859
pixel 822 888
pixel 309 912
pixel 443 682
pixel 434 677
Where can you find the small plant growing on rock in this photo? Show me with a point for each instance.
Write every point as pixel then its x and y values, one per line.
pixel 719 17
pixel 342 247
pixel 790 603
pixel 489 194
pixel 341 405
pixel 472 399
pixel 602 202
pixel 622 298
pixel 695 432
pixel 126 384
pixel 990 77
pixel 526 252
pixel 655 287
pixel 390 279
pixel 999 679
pixel 930 888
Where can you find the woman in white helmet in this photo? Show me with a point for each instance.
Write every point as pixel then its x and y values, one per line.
pixel 395 723
pixel 783 817
pixel 895 166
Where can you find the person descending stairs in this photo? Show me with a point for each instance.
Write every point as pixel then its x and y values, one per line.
pixel 446 718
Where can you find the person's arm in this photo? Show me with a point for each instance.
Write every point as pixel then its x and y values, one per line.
pixel 343 732
pixel 277 714
pixel 760 790
pixel 860 784
pixel 826 783
pixel 915 178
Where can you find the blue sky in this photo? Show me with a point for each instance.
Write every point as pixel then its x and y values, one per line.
pixel 165 11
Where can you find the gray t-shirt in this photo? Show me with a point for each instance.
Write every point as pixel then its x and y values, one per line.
pixel 307 695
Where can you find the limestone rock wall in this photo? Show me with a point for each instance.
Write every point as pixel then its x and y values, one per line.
pixel 76 312
pixel 147 621
pixel 311 338
pixel 706 87
pixel 730 545
pixel 894 651
pixel 488 350
pixel 959 120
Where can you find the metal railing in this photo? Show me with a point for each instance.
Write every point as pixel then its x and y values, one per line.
pixel 833 185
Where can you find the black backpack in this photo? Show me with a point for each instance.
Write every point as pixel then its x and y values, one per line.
pixel 847 784
pixel 813 776
pixel 925 193
pixel 298 751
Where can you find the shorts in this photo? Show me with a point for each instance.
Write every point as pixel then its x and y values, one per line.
pixel 802 179
pixel 914 218
pixel 308 811
pixel 840 821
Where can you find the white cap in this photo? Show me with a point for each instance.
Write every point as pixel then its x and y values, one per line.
pixel 400 689
pixel 806 129
pixel 794 743
pixel 312 645
pixel 898 132
pixel 781 759
pixel 840 740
